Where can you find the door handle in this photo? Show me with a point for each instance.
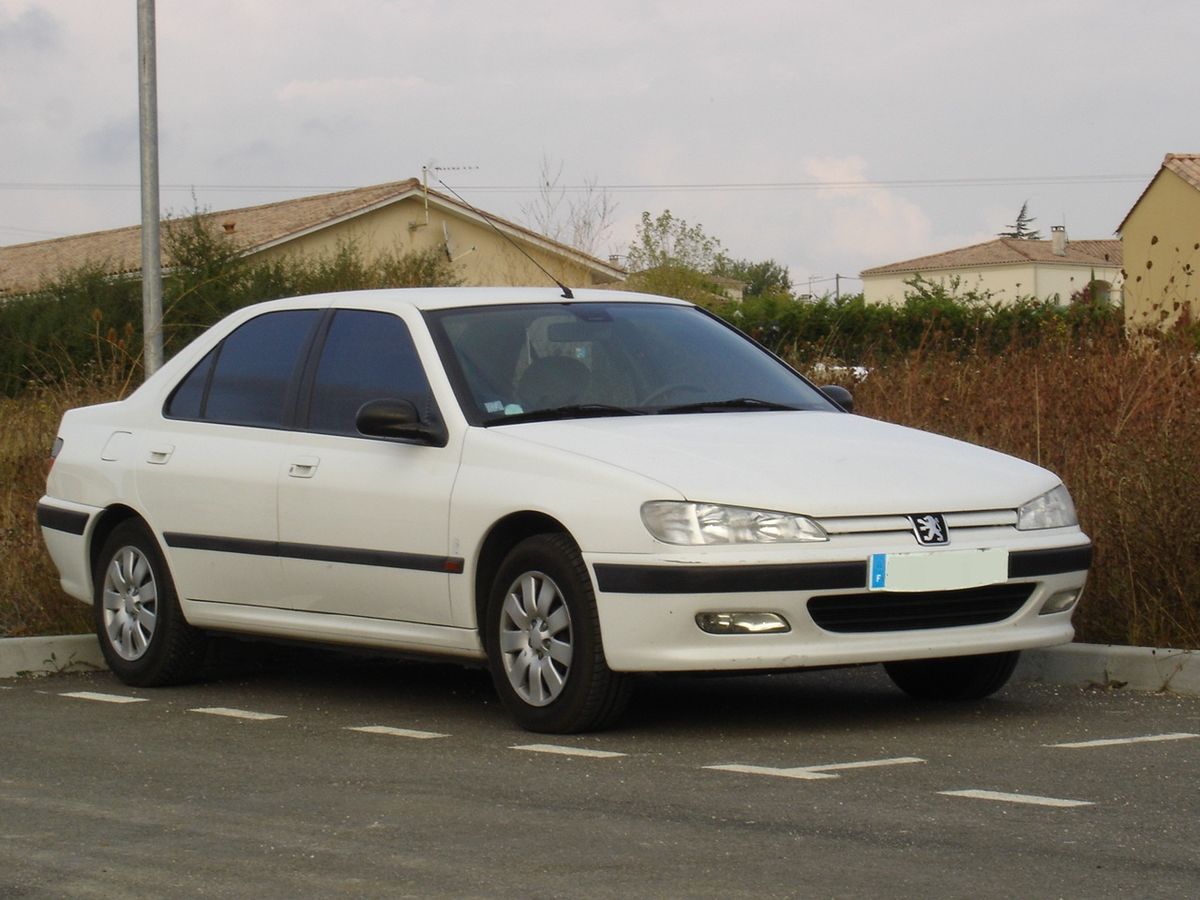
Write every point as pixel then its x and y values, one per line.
pixel 303 466
pixel 158 456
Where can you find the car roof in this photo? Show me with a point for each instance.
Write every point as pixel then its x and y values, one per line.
pixel 450 298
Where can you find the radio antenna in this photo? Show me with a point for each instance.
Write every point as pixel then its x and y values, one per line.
pixel 566 291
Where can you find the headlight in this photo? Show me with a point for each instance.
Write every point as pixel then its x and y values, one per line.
pixel 1053 509
pixel 680 522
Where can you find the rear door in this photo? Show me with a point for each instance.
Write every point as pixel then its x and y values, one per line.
pixel 209 474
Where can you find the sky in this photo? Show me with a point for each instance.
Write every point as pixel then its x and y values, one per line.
pixel 828 136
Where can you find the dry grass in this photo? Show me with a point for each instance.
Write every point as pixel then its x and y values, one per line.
pixel 31 601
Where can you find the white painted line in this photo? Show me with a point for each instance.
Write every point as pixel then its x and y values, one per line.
pixel 103 698
pixel 814 773
pixel 567 751
pixel 1113 742
pixel 236 713
pixel 397 732
pixel 1030 799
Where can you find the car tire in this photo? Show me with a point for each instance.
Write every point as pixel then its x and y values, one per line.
pixel 953 678
pixel 143 635
pixel 542 635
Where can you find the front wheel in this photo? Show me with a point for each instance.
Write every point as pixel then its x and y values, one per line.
pixel 955 677
pixel 144 637
pixel 542 634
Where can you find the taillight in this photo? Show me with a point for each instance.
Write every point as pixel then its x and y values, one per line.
pixel 54 451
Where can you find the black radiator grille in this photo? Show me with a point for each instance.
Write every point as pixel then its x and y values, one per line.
pixel 884 611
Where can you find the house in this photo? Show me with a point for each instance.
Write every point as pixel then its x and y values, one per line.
pixel 1160 238
pixel 397 217
pixel 1009 268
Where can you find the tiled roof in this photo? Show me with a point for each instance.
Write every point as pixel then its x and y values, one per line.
pixel 26 267
pixel 1185 165
pixel 1009 251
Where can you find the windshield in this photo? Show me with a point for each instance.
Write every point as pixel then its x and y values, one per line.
pixel 572 360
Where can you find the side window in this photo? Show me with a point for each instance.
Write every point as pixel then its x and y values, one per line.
pixel 367 356
pixel 251 371
pixel 187 400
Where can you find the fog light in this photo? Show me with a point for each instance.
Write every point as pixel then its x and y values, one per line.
pixel 1060 602
pixel 742 623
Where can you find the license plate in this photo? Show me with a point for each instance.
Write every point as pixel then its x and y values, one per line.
pixel 937 570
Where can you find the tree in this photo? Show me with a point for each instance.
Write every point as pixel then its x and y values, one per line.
pixel 582 220
pixel 667 241
pixel 1023 229
pixel 761 278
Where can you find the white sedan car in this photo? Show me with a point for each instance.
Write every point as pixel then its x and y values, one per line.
pixel 571 489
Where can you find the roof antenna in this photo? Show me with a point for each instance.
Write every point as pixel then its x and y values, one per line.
pixel 566 291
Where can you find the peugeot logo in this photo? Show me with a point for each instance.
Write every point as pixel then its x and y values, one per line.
pixel 930 528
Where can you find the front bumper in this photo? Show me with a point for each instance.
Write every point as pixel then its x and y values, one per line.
pixel 648 611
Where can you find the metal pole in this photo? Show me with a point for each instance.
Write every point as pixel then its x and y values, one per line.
pixel 152 343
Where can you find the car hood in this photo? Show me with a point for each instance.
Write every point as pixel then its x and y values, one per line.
pixel 816 463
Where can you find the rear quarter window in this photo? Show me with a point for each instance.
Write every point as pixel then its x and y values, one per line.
pixel 247 379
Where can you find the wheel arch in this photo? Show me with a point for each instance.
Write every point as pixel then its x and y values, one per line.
pixel 501 538
pixel 106 523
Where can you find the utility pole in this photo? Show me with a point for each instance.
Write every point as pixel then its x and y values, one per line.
pixel 837 287
pixel 152 342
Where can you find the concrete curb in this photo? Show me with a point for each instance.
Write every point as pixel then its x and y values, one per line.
pixel 1114 666
pixel 49 655
pixel 1072 665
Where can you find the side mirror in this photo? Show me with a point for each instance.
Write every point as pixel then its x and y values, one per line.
pixel 395 418
pixel 840 396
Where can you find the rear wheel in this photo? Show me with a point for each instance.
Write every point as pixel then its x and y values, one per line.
pixel 143 635
pixel 542 635
pixel 955 677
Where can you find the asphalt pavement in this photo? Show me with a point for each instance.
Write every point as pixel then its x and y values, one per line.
pixel 292 773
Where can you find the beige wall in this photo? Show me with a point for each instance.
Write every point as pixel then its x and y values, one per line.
pixel 480 256
pixel 1006 283
pixel 1159 247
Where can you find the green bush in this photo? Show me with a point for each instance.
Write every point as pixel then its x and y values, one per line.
pixel 851 330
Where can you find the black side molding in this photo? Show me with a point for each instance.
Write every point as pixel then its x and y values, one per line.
pixel 352 555
pixel 61 519
pixel 621 579
pixel 1031 563
pixel 730 579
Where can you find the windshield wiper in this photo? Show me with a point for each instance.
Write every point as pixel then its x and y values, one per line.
pixel 570 411
pixel 736 403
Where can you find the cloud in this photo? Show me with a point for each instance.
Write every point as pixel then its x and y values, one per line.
pixel 867 222
pixel 113 142
pixel 360 90
pixel 31 30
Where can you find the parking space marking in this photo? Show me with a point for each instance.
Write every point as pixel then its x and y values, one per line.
pixel 1113 742
pixel 235 713
pixel 397 732
pixel 103 698
pixel 568 751
pixel 813 773
pixel 1030 799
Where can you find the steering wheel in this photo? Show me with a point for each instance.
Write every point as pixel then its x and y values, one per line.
pixel 667 389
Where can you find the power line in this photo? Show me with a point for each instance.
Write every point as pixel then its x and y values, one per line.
pixel 684 187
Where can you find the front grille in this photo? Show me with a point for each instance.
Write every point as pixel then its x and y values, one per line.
pixel 884 611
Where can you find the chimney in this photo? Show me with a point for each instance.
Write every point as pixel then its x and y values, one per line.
pixel 1058 239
